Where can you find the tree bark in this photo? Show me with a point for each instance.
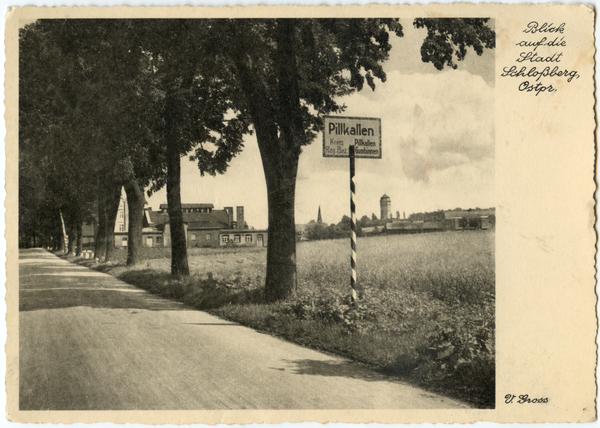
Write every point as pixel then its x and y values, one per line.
pixel 179 257
pixel 135 202
pixel 281 279
pixel 112 207
pixel 61 244
pixel 64 237
pixel 79 246
pixel 100 238
pixel 72 236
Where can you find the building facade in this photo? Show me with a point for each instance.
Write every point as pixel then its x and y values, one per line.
pixel 243 238
pixel 204 226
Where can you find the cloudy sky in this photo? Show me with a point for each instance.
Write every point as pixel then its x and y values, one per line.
pixel 437 144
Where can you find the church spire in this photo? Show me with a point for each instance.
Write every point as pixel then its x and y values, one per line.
pixel 319 218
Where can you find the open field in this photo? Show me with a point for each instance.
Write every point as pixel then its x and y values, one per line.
pixel 426 310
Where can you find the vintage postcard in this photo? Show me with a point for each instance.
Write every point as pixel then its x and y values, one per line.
pixel 350 214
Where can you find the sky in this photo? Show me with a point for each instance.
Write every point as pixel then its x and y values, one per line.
pixel 437 148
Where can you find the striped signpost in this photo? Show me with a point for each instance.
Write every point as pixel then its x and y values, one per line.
pixel 352 227
pixel 352 137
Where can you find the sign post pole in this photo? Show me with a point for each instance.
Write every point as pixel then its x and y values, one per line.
pixel 352 137
pixel 352 226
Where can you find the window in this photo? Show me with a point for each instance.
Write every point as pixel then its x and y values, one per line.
pixel 124 241
pixel 193 237
pixel 149 241
pixel 121 227
pixel 159 240
pixel 224 239
pixel 248 238
pixel 121 214
pixel 237 238
pixel 208 236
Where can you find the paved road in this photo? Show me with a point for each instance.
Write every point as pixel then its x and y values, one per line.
pixel 91 342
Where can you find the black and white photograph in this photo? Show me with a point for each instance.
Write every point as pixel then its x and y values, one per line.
pixel 274 213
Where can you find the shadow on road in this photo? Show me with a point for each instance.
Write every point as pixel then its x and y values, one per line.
pixel 32 300
pixel 229 324
pixel 337 369
pixel 47 282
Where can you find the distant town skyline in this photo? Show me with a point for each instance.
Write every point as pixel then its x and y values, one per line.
pixel 437 144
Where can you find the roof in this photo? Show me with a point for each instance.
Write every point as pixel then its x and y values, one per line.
pixel 466 213
pixel 195 225
pixel 214 219
pixel 184 206
pixel 244 231
pixel 158 218
pixel 403 226
pixel 218 217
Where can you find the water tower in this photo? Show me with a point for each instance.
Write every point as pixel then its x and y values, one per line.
pixel 386 207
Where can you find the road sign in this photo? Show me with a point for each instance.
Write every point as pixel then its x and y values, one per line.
pixel 352 137
pixel 364 133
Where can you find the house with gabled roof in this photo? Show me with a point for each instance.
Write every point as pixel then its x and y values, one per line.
pixel 204 227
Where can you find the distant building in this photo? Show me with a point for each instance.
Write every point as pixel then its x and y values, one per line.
pixel 301 232
pixel 204 227
pixel 470 219
pixel 243 237
pixel 88 231
pixel 385 203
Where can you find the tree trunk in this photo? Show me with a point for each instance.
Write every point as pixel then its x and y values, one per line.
pixel 135 202
pixel 280 151
pixel 279 144
pixel 65 238
pixel 112 207
pixel 281 278
pixel 79 246
pixel 179 258
pixel 100 238
pixel 72 237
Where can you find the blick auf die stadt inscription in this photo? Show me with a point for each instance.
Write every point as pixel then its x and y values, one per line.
pixel 539 63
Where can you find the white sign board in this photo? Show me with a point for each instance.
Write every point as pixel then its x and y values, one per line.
pixel 364 133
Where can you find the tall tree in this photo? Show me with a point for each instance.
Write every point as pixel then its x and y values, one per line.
pixel 291 72
pixel 86 115
pixel 194 110
pixel 52 108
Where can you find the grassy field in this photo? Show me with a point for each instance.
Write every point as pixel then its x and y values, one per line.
pixel 426 311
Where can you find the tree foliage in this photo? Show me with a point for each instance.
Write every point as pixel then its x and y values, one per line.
pixel 124 100
pixel 448 39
